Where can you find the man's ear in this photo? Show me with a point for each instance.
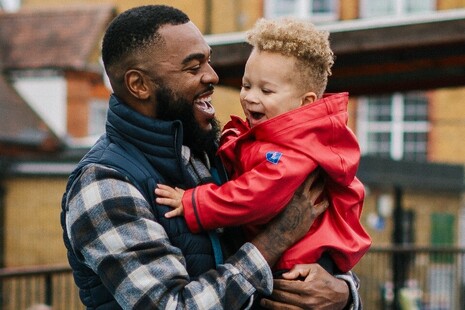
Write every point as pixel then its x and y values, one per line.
pixel 137 84
pixel 309 97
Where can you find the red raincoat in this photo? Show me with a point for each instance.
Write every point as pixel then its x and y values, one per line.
pixel 268 162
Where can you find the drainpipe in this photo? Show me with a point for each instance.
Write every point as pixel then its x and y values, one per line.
pixel 398 265
pixel 3 169
pixel 2 222
pixel 402 235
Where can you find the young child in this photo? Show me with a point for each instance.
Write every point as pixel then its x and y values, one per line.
pixel 290 130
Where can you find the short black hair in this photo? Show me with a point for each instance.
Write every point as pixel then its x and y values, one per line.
pixel 137 28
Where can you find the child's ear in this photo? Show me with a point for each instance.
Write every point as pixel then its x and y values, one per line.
pixel 309 97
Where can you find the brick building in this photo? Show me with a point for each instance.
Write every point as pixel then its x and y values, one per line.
pixel 405 71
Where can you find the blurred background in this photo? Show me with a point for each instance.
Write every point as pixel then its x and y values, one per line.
pixel 402 62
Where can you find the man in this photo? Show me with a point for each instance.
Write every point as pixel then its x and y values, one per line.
pixel 161 129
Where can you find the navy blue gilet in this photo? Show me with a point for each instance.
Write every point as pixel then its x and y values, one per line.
pixel 147 152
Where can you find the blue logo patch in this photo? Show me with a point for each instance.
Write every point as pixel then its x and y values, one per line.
pixel 273 157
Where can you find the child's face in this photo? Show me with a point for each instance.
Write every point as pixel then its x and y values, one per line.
pixel 270 87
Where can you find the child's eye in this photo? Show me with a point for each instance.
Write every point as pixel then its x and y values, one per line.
pixel 266 91
pixel 245 86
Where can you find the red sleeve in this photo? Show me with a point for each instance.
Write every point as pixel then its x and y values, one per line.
pixel 254 197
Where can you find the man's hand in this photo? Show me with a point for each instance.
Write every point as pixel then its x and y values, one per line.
pixel 317 290
pixel 294 221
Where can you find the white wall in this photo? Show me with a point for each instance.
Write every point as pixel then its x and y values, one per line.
pixel 46 95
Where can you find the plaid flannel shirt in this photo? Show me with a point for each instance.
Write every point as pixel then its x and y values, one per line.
pixel 113 231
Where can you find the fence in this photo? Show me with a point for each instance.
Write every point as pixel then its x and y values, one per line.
pixel 51 285
pixel 412 278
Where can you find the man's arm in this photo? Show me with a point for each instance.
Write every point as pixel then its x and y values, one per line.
pixel 319 290
pixel 294 221
pixel 113 231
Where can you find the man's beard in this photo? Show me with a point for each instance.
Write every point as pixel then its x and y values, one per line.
pixel 170 108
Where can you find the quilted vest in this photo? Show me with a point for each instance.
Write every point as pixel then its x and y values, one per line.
pixel 147 154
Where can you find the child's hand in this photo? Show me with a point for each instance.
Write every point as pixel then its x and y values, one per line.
pixel 172 197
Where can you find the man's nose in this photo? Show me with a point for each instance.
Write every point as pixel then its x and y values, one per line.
pixel 210 76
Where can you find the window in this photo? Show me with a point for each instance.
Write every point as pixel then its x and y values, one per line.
pixel 375 8
pixel 10 5
pixel 97 116
pixel 394 126
pixel 318 11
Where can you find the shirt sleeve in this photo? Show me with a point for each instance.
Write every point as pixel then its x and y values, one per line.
pixel 113 232
pixel 254 197
pixel 354 284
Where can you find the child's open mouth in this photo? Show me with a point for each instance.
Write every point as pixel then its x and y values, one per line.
pixel 257 116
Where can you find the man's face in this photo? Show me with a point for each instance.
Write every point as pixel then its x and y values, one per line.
pixel 182 65
pixel 196 137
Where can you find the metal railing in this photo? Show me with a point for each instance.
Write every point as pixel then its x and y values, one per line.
pixel 407 277
pixel 22 288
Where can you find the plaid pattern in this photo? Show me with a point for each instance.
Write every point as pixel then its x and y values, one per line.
pixel 113 232
pixel 198 171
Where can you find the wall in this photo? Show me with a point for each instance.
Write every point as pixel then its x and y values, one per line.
pixel 234 16
pixel 450 4
pixel 82 87
pixel 33 234
pixel 348 9
pixel 225 17
pixel 422 203
pixel 447 112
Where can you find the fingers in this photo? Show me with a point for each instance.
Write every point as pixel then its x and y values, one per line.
pixel 168 196
pixel 167 202
pixel 282 286
pixel 271 304
pixel 320 207
pixel 290 297
pixel 164 191
pixel 307 184
pixel 316 189
pixel 301 294
pixel 298 271
pixel 174 213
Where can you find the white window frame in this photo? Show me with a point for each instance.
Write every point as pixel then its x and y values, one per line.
pixel 396 127
pixel 400 7
pixel 302 10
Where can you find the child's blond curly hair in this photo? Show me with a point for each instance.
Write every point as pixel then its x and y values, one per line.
pixel 300 39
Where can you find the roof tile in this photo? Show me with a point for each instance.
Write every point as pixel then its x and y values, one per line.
pixel 58 37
